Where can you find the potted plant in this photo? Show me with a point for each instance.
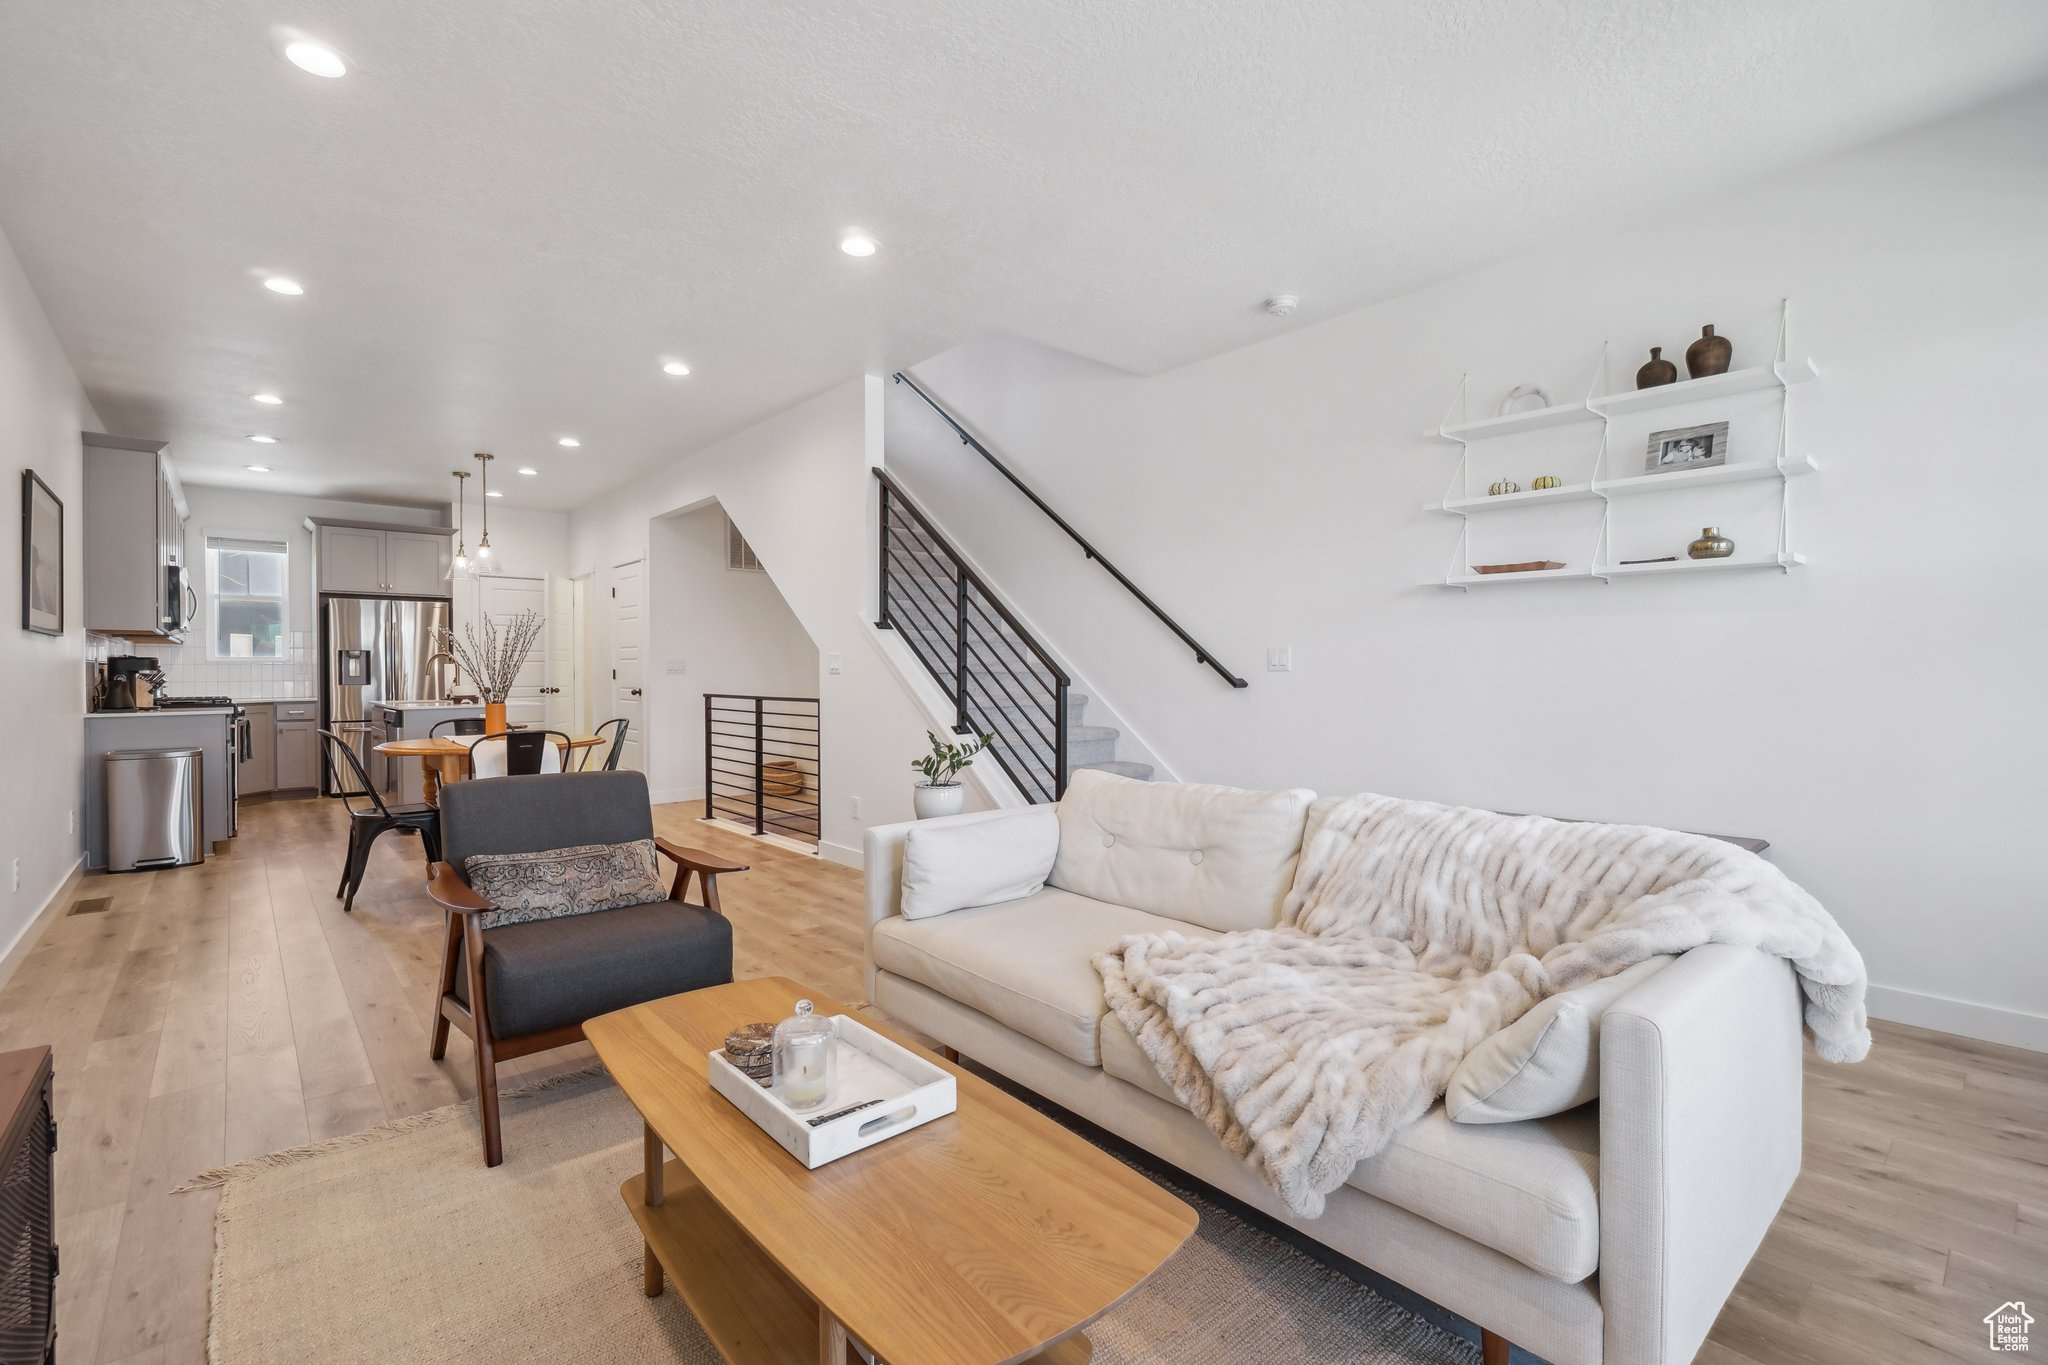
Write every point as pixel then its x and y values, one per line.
pixel 494 660
pixel 940 793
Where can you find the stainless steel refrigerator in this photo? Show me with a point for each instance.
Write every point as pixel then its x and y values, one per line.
pixel 375 650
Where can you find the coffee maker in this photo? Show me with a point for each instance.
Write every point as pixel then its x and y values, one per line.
pixel 132 681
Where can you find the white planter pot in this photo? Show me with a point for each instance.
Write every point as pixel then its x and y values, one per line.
pixel 933 802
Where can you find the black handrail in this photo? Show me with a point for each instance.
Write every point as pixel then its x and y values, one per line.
pixel 969 623
pixel 1202 656
pixel 742 731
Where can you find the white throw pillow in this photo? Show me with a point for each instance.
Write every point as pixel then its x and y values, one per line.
pixel 1545 1062
pixel 1219 857
pixel 955 866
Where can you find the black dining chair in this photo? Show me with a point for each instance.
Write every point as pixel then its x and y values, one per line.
pixel 365 825
pixel 525 752
pixel 618 742
pixel 461 725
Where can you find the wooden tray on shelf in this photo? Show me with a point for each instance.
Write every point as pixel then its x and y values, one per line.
pixel 1532 566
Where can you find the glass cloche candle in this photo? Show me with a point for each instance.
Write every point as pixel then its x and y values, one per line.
pixel 804 1061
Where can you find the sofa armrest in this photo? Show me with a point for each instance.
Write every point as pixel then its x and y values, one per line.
pixel 1700 1090
pixel 882 869
pixel 450 892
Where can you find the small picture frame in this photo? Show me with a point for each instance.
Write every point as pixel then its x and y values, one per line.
pixel 1687 448
pixel 42 557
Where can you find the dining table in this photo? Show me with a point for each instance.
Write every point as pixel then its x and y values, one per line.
pixel 445 758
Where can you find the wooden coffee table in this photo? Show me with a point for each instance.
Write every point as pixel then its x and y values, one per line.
pixel 991 1235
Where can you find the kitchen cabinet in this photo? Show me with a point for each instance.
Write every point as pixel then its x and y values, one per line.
pixel 135 584
pixel 369 559
pixel 259 764
pixel 297 755
pixel 209 731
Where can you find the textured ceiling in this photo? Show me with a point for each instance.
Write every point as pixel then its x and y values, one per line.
pixel 511 211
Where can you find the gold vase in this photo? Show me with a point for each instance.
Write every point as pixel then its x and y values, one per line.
pixel 1711 544
pixel 494 718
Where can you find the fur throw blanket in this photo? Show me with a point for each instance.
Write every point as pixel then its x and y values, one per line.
pixel 1413 932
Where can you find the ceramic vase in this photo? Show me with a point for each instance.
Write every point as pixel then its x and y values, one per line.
pixel 1709 355
pixel 1711 544
pixel 1656 370
pixel 933 801
pixel 494 718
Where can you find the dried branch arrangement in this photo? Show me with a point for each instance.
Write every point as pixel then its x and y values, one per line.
pixel 493 662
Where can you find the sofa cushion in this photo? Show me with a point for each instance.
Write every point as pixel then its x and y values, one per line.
pixel 1528 1190
pixel 1545 1062
pixel 1217 857
pixel 951 866
pixel 546 974
pixel 1024 963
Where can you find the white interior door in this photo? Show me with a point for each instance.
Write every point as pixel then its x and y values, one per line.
pixel 559 644
pixel 500 599
pixel 629 583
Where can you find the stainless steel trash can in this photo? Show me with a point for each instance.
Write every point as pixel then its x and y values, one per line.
pixel 154 808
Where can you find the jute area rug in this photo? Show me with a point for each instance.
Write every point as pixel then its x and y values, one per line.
pixel 397 1245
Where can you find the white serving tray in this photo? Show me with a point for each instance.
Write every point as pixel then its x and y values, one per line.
pixel 911 1091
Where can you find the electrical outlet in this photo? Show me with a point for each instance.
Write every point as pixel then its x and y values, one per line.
pixel 71 822
pixel 856 807
pixel 17 874
pixel 831 663
pixel 1280 659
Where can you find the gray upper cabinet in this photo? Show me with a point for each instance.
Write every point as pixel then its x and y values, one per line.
pixel 134 535
pixel 416 564
pixel 372 560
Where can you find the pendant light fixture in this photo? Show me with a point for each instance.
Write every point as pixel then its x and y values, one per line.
pixel 483 544
pixel 461 560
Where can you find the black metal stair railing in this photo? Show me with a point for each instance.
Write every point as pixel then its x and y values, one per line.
pixel 1202 655
pixel 761 763
pixel 1001 681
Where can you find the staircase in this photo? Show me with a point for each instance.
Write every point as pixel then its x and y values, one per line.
pixel 1001 680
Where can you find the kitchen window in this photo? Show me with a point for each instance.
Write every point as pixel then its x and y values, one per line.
pixel 246 581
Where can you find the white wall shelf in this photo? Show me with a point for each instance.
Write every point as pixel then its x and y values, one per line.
pixel 1571 492
pixel 1679 479
pixel 1780 376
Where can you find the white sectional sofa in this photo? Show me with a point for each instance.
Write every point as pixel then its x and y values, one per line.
pixel 1611 1233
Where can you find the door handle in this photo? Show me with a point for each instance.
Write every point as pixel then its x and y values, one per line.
pixel 636 691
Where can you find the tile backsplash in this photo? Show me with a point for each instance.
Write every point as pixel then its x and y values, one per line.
pixel 189 673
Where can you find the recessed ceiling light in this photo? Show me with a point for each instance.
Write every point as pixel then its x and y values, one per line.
pixel 257 468
pixel 858 244
pixel 278 284
pixel 529 471
pixel 494 493
pixel 269 399
pixel 569 441
pixel 264 440
pixel 675 367
pixel 317 58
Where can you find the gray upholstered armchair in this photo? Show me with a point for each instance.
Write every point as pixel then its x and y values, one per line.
pixel 526 987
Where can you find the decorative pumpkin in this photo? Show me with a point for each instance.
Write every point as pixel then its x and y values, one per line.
pixel 1548 481
pixel 1501 486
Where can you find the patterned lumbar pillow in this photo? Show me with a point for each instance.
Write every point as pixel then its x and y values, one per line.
pixel 564 881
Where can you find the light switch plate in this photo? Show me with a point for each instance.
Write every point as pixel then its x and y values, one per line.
pixel 831 663
pixel 678 666
pixel 1280 659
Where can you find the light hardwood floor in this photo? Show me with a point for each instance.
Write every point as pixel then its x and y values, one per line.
pixel 219 1012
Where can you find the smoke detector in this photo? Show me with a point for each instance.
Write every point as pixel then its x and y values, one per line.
pixel 1280 305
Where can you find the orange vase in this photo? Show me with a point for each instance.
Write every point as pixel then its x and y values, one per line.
pixel 494 718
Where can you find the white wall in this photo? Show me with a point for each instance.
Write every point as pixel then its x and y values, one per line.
pixel 42 677
pixel 1877 715
pixel 730 630
pixel 800 489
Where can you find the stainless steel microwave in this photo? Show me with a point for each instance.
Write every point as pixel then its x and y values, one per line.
pixel 181 600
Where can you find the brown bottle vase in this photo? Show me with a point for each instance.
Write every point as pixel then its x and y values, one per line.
pixel 1656 370
pixel 1709 355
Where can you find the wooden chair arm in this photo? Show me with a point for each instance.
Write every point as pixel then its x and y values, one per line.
pixel 450 892
pixel 692 860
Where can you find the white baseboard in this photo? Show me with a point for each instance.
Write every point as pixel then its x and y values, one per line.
pixel 665 796
pixel 841 854
pixel 1988 1023
pixel 32 932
